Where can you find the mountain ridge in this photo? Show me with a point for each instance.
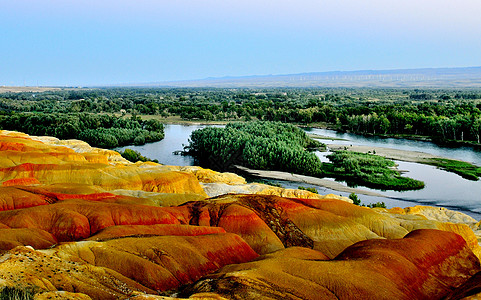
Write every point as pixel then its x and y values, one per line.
pixel 462 77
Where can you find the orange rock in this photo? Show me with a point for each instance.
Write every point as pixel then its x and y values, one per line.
pixel 76 219
pixel 27 161
pixel 410 268
pixel 37 238
pixel 21 181
pixel 381 225
pixel 135 177
pixel 247 224
pixel 61 192
pixel 470 290
pixel 156 199
pixel 119 231
pixel 16 198
pixel 269 223
pixel 35 270
pixel 162 262
pixel 331 233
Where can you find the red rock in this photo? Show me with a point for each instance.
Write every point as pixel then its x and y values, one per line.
pixel 16 198
pixel 35 270
pixel 77 219
pixel 411 268
pixel 162 262
pixel 119 231
pixel 21 181
pixel 37 238
pixel 247 224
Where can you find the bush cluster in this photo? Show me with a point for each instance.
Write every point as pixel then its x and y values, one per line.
pixel 369 170
pixel 257 145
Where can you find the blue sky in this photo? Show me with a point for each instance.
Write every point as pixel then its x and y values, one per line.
pixel 87 42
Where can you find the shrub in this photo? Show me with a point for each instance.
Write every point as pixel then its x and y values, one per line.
pixel 355 199
pixel 135 156
pixel 377 204
pixel 310 189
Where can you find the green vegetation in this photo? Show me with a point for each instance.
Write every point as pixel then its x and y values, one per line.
pixel 369 170
pixel 98 130
pixel 444 116
pixel 376 204
pixel 284 147
pixel 464 169
pixel 356 201
pixel 309 189
pixel 135 156
pixel 14 293
pixel 257 145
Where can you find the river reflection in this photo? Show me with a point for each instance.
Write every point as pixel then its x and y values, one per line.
pixel 176 136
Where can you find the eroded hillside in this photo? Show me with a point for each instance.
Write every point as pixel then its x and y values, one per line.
pixel 78 222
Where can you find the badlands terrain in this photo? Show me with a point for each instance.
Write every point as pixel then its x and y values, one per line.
pixel 78 222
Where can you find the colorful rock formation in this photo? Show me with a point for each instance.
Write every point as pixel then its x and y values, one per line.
pixel 410 268
pixel 78 222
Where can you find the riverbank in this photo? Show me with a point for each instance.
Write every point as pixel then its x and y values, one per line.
pixel 390 153
pixel 332 185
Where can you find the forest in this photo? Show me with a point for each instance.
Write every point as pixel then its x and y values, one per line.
pixel 443 116
pixel 258 134
pixel 101 130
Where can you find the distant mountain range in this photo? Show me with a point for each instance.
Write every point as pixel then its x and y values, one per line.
pixel 404 78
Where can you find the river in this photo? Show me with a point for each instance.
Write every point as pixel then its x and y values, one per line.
pixel 442 188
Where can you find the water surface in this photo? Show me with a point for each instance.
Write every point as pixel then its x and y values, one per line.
pixel 442 188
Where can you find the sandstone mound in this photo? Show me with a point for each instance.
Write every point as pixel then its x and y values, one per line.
pixel 162 262
pixel 37 238
pixel 435 213
pixel 39 161
pixel 74 220
pixel 26 268
pixel 135 177
pixel 119 231
pixel 269 223
pixel 214 189
pixel 409 268
pixel 111 229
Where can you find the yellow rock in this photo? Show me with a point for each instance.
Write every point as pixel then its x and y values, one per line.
pixel 61 295
pixel 210 176
pixel 217 189
pixel 410 268
pixel 26 268
pixel 435 213
pixel 157 199
pixel 426 217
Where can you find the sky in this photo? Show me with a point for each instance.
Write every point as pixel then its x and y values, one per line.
pixel 104 42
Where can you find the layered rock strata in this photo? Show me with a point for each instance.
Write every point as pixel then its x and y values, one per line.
pixel 78 222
